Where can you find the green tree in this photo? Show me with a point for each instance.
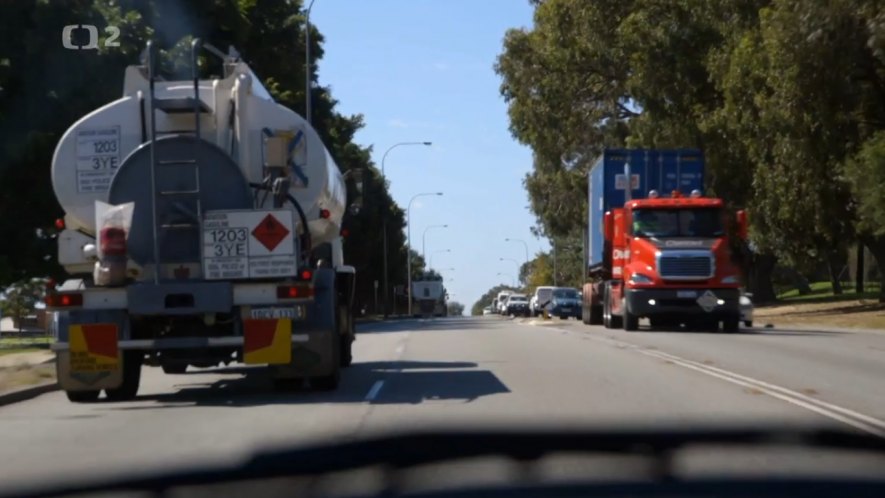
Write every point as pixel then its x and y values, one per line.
pixel 19 299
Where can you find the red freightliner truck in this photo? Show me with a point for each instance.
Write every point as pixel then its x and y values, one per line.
pixel 658 249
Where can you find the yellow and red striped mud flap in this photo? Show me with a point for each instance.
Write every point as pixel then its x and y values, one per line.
pixel 93 347
pixel 267 341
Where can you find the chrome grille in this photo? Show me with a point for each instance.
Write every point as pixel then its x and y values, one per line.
pixel 684 265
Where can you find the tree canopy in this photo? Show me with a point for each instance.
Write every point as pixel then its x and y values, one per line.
pixel 785 97
pixel 44 88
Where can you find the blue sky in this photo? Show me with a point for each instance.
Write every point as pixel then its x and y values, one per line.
pixel 421 70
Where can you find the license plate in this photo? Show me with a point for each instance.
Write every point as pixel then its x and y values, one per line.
pixel 275 313
pixel 689 294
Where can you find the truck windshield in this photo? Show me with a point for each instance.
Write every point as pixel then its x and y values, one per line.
pixel 680 222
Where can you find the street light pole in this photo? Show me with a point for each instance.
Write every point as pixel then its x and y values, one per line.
pixel 409 246
pixel 424 238
pixel 307 64
pixel 513 261
pixel 435 253
pixel 384 223
pixel 524 244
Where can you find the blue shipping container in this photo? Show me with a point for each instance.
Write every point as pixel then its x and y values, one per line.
pixel 650 169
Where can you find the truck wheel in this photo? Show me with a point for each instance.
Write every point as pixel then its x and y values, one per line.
pixel 131 378
pixel 346 352
pixel 748 323
pixel 730 324
pixel 606 309
pixel 595 315
pixel 631 321
pixel 82 396
pixel 174 368
pixel 330 382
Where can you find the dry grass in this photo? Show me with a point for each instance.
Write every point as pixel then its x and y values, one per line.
pixel 857 313
pixel 25 375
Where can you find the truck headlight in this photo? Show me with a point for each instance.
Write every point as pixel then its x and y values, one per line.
pixel 731 279
pixel 639 278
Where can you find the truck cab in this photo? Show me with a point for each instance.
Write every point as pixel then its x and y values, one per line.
pixel 672 255
pixel 656 247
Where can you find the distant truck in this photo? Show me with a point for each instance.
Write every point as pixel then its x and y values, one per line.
pixel 429 298
pixel 202 227
pixel 656 247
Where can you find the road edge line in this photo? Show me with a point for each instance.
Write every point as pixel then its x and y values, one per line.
pixel 26 393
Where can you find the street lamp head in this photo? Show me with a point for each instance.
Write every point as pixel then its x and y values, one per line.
pixel 439 193
pixel 427 143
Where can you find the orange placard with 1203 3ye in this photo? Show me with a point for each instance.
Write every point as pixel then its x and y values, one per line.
pixel 93 347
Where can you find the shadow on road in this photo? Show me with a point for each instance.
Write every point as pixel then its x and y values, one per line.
pixel 404 382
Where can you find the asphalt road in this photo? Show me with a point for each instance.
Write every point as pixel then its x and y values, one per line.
pixel 474 372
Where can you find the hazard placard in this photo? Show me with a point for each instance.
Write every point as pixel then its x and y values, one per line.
pixel 249 244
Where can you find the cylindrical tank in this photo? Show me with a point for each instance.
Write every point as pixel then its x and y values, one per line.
pixel 89 153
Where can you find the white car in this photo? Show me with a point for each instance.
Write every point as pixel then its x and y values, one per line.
pixel 543 294
pixel 487 310
pixel 746 309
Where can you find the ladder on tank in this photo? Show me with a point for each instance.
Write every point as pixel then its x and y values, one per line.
pixel 185 200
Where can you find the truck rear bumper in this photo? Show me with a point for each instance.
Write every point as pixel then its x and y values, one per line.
pixel 678 302
pixel 180 343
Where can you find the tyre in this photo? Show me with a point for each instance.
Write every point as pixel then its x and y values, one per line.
pixel 131 378
pixel 82 396
pixel 614 321
pixel 174 368
pixel 748 323
pixel 563 318
pixel 595 315
pixel 730 324
pixel 330 382
pixel 606 309
pixel 346 356
pixel 346 336
pixel 631 321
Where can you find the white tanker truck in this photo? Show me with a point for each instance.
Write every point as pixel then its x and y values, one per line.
pixel 202 227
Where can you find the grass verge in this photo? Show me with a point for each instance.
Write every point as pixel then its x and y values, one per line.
pixel 25 375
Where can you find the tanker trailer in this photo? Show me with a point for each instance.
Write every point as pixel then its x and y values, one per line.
pixel 202 227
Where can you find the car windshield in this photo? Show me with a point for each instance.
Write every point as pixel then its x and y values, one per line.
pixel 565 294
pixel 682 222
pixel 229 225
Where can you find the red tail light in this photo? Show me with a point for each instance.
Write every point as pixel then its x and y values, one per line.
pixel 306 274
pixel 60 223
pixel 64 300
pixel 294 291
pixel 113 241
pixel 345 232
pixel 324 213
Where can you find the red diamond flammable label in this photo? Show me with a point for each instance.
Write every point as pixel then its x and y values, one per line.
pixel 270 232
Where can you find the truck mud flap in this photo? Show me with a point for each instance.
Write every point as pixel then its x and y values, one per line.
pixel 315 350
pixel 267 341
pixel 93 359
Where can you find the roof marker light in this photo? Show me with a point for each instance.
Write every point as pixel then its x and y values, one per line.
pixel 653 194
pixel 695 193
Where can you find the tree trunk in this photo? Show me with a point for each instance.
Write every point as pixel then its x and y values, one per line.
pixel 876 245
pixel 759 277
pixel 833 267
pixel 858 280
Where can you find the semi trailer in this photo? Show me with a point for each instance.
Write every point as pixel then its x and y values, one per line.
pixel 656 247
pixel 202 227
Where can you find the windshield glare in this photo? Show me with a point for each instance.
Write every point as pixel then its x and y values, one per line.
pixel 679 222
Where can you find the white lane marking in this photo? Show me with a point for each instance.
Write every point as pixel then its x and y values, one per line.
pixel 400 349
pixel 376 387
pixel 855 419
